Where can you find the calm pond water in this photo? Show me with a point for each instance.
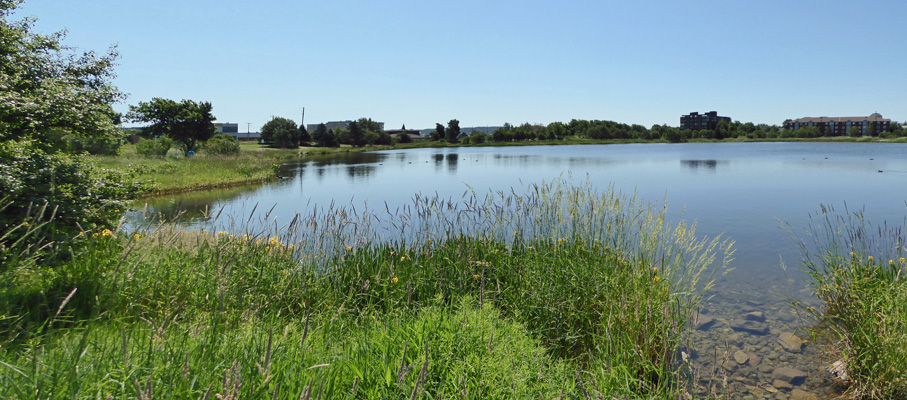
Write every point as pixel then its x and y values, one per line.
pixel 740 190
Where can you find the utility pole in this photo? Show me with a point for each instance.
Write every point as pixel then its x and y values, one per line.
pixel 248 130
pixel 302 124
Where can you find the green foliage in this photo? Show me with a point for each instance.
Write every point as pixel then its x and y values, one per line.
pixel 187 122
pixel 73 195
pixel 222 144
pixel 438 133
pixel 477 137
pixel 482 299
pixel 356 135
pixel 404 137
pixel 49 93
pixel 453 131
pixel 281 132
pixel 324 138
pixel 153 148
pixel 858 271
pixel 304 137
pixel 108 146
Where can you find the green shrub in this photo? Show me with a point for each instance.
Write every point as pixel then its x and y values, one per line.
pixel 93 145
pixel 403 137
pixel 477 137
pixel 61 193
pixel 222 144
pixel 153 148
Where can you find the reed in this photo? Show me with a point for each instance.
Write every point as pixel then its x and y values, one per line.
pixel 859 272
pixel 553 291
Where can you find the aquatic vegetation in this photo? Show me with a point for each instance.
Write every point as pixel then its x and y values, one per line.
pixel 863 324
pixel 560 291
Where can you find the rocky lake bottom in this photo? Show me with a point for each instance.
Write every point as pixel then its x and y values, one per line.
pixel 753 344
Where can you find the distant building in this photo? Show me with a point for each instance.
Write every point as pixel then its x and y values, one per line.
pixel 232 129
pixel 840 126
pixel 695 121
pixel 331 125
pixel 228 128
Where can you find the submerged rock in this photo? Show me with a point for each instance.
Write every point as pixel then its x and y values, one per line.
pixel 702 322
pixel 754 327
pixel 781 384
pixel 757 316
pixel 741 357
pixel 798 394
pixel 791 342
pixel 792 376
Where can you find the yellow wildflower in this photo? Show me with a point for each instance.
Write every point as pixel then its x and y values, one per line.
pixel 853 254
pixel 560 240
pixel 870 258
pixel 403 258
pixel 137 236
pixel 394 280
pixel 902 260
pixel 890 262
pixel 657 279
pixel 106 232
pixel 349 248
pixel 476 276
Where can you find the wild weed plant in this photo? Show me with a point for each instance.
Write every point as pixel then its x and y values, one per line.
pixel 859 271
pixel 560 291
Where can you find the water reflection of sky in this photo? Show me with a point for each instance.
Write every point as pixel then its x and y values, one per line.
pixel 739 189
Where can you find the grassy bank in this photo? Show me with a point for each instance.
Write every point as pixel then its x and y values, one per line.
pixel 859 271
pixel 258 163
pixel 564 292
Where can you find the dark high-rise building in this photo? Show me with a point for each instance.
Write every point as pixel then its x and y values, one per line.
pixel 695 121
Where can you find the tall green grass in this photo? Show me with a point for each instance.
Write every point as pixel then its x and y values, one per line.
pixel 859 271
pixel 560 291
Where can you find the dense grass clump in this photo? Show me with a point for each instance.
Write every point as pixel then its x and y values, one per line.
pixel 859 271
pixel 561 292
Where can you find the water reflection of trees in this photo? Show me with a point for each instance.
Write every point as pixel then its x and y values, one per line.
pixel 452 159
pixel 194 206
pixel 360 171
pixel 704 164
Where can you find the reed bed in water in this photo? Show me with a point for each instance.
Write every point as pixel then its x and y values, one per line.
pixel 859 271
pixel 561 291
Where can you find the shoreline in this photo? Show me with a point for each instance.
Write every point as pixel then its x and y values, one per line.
pixel 272 157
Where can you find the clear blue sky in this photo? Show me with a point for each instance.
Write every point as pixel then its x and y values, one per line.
pixel 490 62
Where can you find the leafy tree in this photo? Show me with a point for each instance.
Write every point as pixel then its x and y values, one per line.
pixel 366 124
pixel 357 136
pixel 304 137
pixel 280 132
pixel 404 137
pixel 47 93
pixel 323 137
pixel 453 131
pixel 438 133
pixel 853 131
pixel 187 122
